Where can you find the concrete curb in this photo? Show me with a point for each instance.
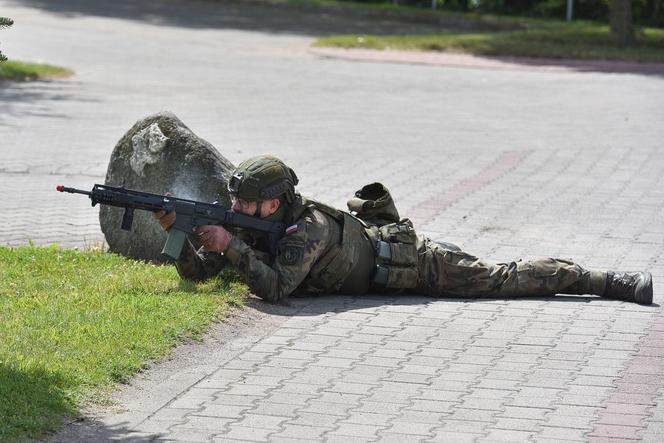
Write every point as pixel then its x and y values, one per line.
pixel 503 63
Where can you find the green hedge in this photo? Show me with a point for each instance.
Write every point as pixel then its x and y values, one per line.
pixel 645 12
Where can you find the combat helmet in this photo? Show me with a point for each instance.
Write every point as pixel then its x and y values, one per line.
pixel 262 178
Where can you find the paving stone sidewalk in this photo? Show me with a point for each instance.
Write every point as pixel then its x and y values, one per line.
pixel 505 163
pixel 417 369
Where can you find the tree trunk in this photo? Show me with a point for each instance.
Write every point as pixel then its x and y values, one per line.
pixel 620 21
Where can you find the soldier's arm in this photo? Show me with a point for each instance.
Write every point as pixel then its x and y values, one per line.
pixel 296 254
pixel 193 263
pixel 196 264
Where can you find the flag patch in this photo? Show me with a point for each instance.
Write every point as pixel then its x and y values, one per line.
pixel 291 230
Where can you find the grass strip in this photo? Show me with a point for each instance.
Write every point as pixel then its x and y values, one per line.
pixel 73 324
pixel 584 41
pixel 22 71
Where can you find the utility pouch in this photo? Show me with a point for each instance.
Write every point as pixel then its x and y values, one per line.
pixel 383 251
pixel 396 277
pixel 401 232
pixel 374 205
pixel 404 254
pixel 396 256
pixel 396 253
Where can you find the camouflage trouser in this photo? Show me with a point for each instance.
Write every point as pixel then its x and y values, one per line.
pixel 457 274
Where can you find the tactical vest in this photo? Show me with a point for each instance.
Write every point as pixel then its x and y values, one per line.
pixel 334 267
pixel 368 252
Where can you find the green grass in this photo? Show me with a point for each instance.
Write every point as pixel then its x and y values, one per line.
pixel 587 41
pixel 73 324
pixel 22 71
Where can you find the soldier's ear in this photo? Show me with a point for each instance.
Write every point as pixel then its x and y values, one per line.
pixel 273 205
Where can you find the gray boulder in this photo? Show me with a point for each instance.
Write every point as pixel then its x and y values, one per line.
pixel 159 154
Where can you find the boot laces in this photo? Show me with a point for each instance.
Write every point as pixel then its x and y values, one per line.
pixel 622 283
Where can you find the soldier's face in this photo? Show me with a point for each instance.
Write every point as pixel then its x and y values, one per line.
pixel 243 206
pixel 267 207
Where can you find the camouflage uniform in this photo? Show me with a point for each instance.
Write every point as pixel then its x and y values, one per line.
pixel 329 251
pixel 455 273
pixel 372 249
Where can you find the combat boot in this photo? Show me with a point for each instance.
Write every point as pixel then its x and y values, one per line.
pixel 635 287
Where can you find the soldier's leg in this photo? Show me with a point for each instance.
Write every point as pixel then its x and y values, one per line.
pixel 455 273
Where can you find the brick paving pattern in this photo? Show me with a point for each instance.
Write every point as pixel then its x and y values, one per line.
pixel 417 369
pixel 505 163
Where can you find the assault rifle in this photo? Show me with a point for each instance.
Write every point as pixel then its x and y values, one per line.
pixel 190 214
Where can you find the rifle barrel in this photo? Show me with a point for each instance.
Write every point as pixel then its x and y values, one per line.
pixel 61 188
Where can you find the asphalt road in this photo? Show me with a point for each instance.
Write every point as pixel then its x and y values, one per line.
pixel 505 163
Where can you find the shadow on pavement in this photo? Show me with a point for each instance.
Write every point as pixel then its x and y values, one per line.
pixel 32 99
pixel 91 430
pixel 316 305
pixel 252 15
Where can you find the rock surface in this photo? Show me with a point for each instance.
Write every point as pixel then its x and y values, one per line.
pixel 159 154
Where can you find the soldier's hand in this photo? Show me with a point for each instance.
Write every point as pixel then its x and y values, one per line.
pixel 165 220
pixel 214 238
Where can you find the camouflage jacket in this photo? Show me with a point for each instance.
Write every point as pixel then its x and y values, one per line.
pixel 272 276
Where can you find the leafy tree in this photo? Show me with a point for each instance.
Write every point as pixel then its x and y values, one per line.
pixel 4 23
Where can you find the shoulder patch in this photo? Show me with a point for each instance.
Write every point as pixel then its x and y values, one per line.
pixel 292 229
pixel 291 253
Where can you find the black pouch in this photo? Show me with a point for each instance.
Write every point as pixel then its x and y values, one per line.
pixel 374 205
